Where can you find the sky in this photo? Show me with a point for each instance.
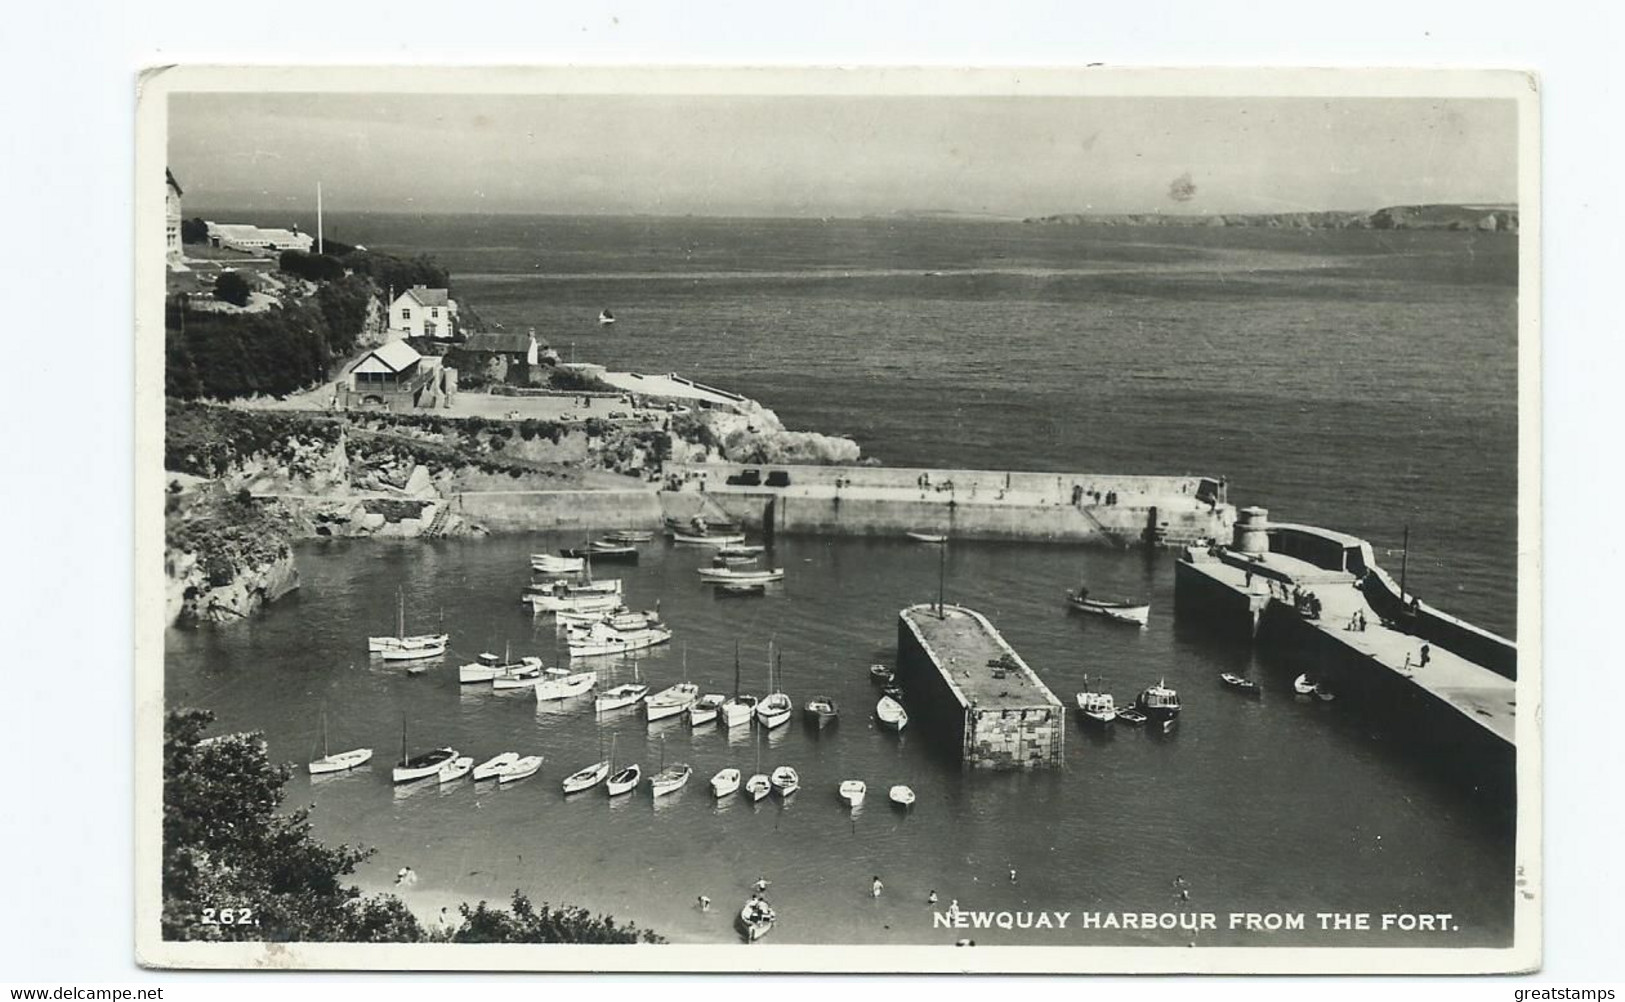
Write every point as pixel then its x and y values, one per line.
pixel 836 156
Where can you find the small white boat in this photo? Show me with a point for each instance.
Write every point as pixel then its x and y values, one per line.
pixel 755 920
pixel 705 709
pixel 852 791
pixel 1120 610
pixel 603 640
pixel 557 586
pixel 724 783
pixel 737 711
pixel 732 575
pixel 1096 707
pixel 587 778
pixel 488 668
pixel 621 618
pixel 629 536
pixel 520 769
pixel 708 539
pixel 342 761
pixel 621 696
pixel 786 781
pixel 593 602
pixel 416 649
pixel 881 673
pixel 891 714
pixel 523 677
pixel 1302 686
pixel 552 563
pixel 491 766
pixel 456 769
pixel 565 686
pixel 378 645
pixel 901 795
pixel 670 701
pixel 1324 694
pixel 605 317
pixel 624 781
pixel 671 779
pixel 741 552
pixel 774 711
pixel 1240 684
pixel 922 536
pixel 821 710
pixel 758 786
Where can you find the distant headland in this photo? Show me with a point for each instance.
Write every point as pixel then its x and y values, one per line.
pixel 1485 218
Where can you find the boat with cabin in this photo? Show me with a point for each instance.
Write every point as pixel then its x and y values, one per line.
pixel 1158 702
pixel 670 701
pixel 565 686
pixel 601 640
pixel 1096 707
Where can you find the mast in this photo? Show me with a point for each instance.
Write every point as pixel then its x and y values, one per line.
pixel 319 244
pixel 403 739
pixel 400 616
pixel 1404 558
pixel 781 669
pixel 736 670
pixel 325 752
pixel 942 572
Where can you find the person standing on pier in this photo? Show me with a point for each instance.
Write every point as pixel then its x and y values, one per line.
pixel 1427 652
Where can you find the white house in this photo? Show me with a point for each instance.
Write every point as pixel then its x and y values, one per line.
pixel 423 312
pixel 172 220
pixel 257 240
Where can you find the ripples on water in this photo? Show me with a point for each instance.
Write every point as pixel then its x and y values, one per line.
pixel 1359 380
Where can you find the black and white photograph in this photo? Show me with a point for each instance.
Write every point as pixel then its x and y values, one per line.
pixel 838 520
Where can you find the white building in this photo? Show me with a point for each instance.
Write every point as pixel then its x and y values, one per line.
pixel 172 220
pixel 257 240
pixel 423 312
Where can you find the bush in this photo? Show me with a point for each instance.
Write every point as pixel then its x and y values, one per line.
pixel 232 288
pixel 316 267
pixel 194 231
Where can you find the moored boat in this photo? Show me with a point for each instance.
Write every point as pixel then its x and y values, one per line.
pixel 758 786
pixel 891 714
pixel 821 710
pixel 785 780
pixel 737 710
pixel 420 766
pixel 403 647
pixel 456 769
pixel 1119 610
pixel 1323 693
pixel 926 536
pixel 1130 716
pixel 624 536
pixel 565 686
pixel 852 791
pixel 491 766
pixel 741 589
pixel 901 795
pixel 732 575
pixel 606 640
pixel 604 550
pixel 708 539
pixel 1240 684
pixel 670 701
pixel 520 769
pixel 587 778
pixel 1302 686
pixel 522 677
pixel 591 602
pixel 705 709
pixel 1158 702
pixel 620 696
pixel 881 673
pixel 725 782
pixel 740 551
pixel 548 563
pixel 671 779
pixel 340 762
pixel 624 781
pixel 774 711
pixel 1096 707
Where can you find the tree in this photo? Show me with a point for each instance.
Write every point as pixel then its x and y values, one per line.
pixel 228 854
pixel 233 288
pixel 528 924
pixel 194 231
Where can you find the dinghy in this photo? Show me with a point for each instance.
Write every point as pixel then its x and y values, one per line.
pixel 491 766
pixel 705 709
pixel 740 552
pixel 520 769
pixel 724 783
pixel 1302 686
pixel 731 575
pixel 605 317
pixel 549 563
pixel 707 539
pixel 741 589
pixel 755 920
pixel 786 781
pixel 587 778
pixel 671 779
pixel 629 536
pixel 670 701
pixel 775 709
pixel 1240 684
pixel 456 769
pixel 922 536
pixel 891 714
pixel 1130 716
pixel 821 710
pixel 881 673
pixel 758 786
pixel 902 796
pixel 624 781
pixel 1324 694
pixel 852 791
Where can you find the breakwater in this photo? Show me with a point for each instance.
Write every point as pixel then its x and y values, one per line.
pixel 1316 599
pixel 1104 509
pixel 975 692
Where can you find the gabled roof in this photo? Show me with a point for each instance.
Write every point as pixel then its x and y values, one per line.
pixel 505 342
pixel 395 356
pixel 170 180
pixel 426 296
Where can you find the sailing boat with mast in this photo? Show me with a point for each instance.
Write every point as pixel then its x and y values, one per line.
pixel 421 766
pixel 758 786
pixel 340 762
pixel 593 774
pixel 669 780
pixel 739 708
pixel 626 694
pixel 775 710
pixel 404 648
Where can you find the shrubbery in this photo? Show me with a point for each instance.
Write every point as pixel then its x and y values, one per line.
pixel 316 267
pixel 231 287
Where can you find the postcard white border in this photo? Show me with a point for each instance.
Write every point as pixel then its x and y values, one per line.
pixel 155 86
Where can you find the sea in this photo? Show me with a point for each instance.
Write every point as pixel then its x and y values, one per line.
pixel 1361 380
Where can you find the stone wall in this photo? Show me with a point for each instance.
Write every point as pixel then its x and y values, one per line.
pixel 526 511
pixel 1015 739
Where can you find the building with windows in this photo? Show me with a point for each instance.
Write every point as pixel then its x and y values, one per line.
pixel 394 376
pixel 423 312
pixel 172 220
pixel 502 357
pixel 255 239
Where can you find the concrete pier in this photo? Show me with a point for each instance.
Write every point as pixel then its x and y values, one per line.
pixel 965 683
pixel 1463 699
pixel 1114 510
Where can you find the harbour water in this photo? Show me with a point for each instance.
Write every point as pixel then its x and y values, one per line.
pixel 1359 380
